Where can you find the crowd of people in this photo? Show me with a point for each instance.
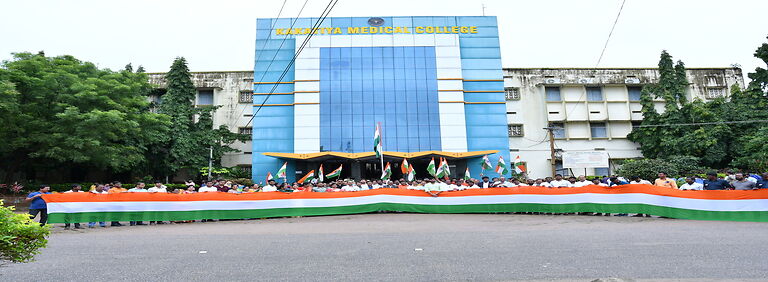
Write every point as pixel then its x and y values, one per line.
pixel 431 186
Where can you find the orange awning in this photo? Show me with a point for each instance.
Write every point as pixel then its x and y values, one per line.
pixel 366 155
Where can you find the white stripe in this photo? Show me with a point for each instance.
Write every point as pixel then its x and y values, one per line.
pixel 638 198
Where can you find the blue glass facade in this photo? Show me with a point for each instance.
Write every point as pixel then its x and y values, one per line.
pixel 394 86
pixel 418 82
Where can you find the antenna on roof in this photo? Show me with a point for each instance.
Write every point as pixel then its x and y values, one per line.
pixel 483 9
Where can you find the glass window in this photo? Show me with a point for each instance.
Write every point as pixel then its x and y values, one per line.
pixel 598 130
pixel 205 97
pixel 558 130
pixel 594 94
pixel 602 171
pixel 634 93
pixel 512 93
pixel 245 130
pixel 553 94
pixel 515 130
pixel 246 96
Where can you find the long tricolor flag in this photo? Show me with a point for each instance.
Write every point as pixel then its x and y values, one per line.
pixel 519 165
pixel 281 171
pixel 501 166
pixel 335 173
pixel 320 175
pixel 735 205
pixel 310 175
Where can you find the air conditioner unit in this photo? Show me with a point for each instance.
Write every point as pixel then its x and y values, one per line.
pixel 586 80
pixel 551 80
pixel 631 80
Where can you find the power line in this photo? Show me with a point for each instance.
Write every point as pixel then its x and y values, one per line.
pixel 323 15
pixel 611 33
pixel 706 123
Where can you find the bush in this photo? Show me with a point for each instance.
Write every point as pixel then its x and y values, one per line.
pixel 20 237
pixel 674 166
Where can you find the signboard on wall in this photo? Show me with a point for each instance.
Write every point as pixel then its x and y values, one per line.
pixel 585 159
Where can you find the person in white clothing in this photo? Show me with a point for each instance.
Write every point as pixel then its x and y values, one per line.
pixel 559 182
pixel 541 183
pixel 76 188
pixel 158 188
pixel 486 183
pixel 432 188
pixel 596 181
pixel 690 184
pixel 638 180
pixel 350 186
pixel 582 181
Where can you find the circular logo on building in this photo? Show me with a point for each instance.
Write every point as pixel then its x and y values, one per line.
pixel 375 21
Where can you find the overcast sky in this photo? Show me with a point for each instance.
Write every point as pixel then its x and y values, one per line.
pixel 218 35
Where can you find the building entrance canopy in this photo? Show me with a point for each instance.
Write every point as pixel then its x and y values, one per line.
pixel 322 156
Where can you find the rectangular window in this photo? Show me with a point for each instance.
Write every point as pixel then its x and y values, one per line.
pixel 515 130
pixel 598 129
pixel 245 130
pixel 559 169
pixel 553 94
pixel 558 130
pixel 205 97
pixel 246 96
pixel 634 93
pixel 602 171
pixel 246 168
pixel 594 94
pixel 715 92
pixel 512 93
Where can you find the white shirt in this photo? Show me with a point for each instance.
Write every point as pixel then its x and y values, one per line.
pixel 268 188
pixel 96 192
pixel 582 183
pixel 350 188
pixel 694 186
pixel 157 189
pixel 560 183
pixel 442 186
pixel 751 179
pixel 640 182
pixel 484 184
pixel 207 189
pixel 543 184
pixel 429 186
pixel 376 186
pixel 364 187
pixel 70 191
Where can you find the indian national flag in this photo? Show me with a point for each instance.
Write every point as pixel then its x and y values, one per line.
pixel 377 142
pixel 281 171
pixel 443 170
pixel 320 174
pixel 411 174
pixel 404 166
pixel 269 176
pixel 335 173
pixel 519 166
pixel 431 167
pixel 387 172
pixel 486 164
pixel 501 166
pixel 466 174
pixel 308 177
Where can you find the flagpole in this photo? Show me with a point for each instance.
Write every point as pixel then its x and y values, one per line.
pixel 381 140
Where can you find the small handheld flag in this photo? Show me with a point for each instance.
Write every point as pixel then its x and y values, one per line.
pixel 269 176
pixel 281 171
pixel 501 166
pixel 519 165
pixel 466 174
pixel 486 164
pixel 404 166
pixel 335 173
pixel 320 175
pixel 387 172
pixel 431 167
pixel 308 177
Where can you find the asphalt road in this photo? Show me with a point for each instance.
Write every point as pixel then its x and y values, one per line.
pixel 407 247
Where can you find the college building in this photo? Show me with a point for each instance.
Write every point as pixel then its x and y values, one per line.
pixel 436 88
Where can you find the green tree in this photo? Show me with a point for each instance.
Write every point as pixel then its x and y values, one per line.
pixel 20 237
pixel 63 112
pixel 725 141
pixel 192 134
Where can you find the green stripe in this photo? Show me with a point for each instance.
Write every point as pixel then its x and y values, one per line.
pixel 761 216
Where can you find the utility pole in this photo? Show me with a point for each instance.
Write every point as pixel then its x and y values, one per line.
pixel 551 135
pixel 210 162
